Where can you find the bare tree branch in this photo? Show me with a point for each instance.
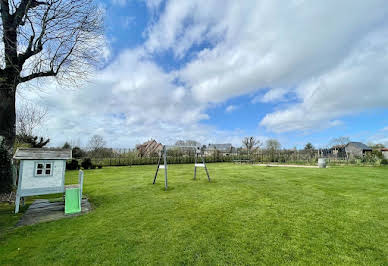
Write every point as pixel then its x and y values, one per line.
pixel 22 10
pixel 29 117
pixel 38 75
pixel 251 143
pixel 57 36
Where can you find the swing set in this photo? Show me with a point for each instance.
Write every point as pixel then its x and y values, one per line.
pixel 163 153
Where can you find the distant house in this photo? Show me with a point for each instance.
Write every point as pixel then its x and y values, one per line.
pixel 226 149
pixel 338 151
pixel 149 148
pixel 384 151
pixel 357 149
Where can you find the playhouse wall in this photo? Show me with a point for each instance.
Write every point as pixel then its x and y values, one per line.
pixel 29 181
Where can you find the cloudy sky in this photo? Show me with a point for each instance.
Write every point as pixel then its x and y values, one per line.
pixel 216 71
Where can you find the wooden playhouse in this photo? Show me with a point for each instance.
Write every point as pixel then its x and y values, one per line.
pixel 41 171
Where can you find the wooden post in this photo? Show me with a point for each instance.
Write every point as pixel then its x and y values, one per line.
pixel 81 182
pixel 157 168
pixel 207 173
pixel 165 169
pixel 17 201
pixel 195 163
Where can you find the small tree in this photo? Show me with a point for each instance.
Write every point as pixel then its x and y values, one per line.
pixel 96 145
pixel 309 147
pixel 66 145
pixel 251 144
pixel 377 146
pixel 190 142
pixel 272 145
pixel 180 143
pixel 96 142
pixel 78 152
pixel 29 118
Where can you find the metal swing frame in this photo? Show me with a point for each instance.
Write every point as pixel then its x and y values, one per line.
pixel 163 153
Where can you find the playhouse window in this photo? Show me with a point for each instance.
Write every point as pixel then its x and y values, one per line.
pixel 43 169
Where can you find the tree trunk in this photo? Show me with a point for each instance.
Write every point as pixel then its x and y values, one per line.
pixel 7 132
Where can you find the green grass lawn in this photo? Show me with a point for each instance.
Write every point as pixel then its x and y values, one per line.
pixel 246 215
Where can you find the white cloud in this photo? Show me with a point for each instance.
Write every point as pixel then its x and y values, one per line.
pixel 272 95
pixel 356 84
pixel 231 108
pixel 332 55
pixel 153 4
pixel 131 101
pixel 259 44
pixel 126 21
pixel 279 44
pixel 119 2
pixel 379 138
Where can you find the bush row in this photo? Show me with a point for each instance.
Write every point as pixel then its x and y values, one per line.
pixel 86 163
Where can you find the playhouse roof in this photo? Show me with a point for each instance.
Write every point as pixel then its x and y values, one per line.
pixel 41 154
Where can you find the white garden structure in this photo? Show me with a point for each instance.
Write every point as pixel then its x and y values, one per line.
pixel 41 171
pixel 163 154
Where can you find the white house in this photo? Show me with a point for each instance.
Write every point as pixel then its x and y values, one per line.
pixel 41 171
pixel 384 151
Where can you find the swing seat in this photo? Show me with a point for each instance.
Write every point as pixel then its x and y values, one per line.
pixel 161 166
pixel 72 200
pixel 199 165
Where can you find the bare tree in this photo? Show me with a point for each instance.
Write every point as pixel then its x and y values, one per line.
pixel 48 38
pixel 180 143
pixel 188 142
pixel 272 145
pixel 29 117
pixel 251 144
pixel 339 141
pixel 96 142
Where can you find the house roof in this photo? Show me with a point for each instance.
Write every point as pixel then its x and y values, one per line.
pixel 42 154
pixel 149 147
pixel 339 146
pixel 359 145
pixel 220 147
pixel 384 149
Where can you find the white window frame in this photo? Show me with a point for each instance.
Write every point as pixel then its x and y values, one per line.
pixel 45 163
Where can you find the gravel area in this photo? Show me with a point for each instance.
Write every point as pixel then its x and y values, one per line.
pixel 288 165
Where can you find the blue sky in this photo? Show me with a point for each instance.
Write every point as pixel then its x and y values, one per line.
pixel 217 71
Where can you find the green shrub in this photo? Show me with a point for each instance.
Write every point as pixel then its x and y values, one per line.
pixel 86 163
pixel 72 165
pixel 99 166
pixel 384 162
pixel 5 169
pixel 353 161
pixel 369 159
